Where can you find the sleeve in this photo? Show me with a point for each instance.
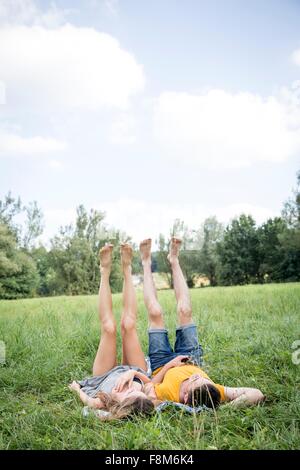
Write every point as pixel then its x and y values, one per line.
pixel 221 389
pixel 161 391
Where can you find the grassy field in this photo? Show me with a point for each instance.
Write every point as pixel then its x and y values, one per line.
pixel 247 335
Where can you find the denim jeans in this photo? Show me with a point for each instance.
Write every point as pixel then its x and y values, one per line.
pixel 160 351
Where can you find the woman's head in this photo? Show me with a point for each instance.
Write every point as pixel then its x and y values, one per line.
pixel 128 393
pixel 137 404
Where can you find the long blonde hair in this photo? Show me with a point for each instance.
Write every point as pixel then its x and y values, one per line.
pixel 127 408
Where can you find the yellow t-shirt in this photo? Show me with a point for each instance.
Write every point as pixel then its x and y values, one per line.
pixel 170 387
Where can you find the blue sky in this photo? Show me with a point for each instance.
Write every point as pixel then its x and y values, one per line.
pixel 150 111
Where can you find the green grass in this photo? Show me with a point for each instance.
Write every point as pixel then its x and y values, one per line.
pixel 247 335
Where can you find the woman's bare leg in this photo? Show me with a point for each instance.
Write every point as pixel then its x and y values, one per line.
pixel 184 307
pixel 132 351
pixel 150 296
pixel 106 357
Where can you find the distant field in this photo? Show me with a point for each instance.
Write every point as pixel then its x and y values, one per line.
pixel 247 335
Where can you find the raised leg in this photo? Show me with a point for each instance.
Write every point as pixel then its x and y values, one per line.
pixel 155 313
pixel 132 351
pixel 106 357
pixel 184 308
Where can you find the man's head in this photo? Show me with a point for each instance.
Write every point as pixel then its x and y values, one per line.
pixel 198 391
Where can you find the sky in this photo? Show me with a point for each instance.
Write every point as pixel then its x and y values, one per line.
pixel 150 111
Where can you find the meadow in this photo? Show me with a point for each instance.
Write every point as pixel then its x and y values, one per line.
pixel 247 335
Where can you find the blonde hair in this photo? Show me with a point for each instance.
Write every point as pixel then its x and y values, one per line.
pixel 125 409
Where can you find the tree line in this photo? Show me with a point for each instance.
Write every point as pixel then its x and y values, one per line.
pixel 240 253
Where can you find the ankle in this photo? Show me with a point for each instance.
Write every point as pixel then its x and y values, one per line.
pixel 105 270
pixel 174 261
pixel 146 262
pixel 127 268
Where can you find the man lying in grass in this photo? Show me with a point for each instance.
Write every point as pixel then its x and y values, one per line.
pixel 177 375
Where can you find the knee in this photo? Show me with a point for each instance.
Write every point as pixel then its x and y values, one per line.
pixel 127 324
pixel 155 313
pixel 109 327
pixel 185 312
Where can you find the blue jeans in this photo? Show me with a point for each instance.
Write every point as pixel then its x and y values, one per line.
pixel 160 351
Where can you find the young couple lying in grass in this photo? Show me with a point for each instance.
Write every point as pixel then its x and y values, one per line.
pixel 126 389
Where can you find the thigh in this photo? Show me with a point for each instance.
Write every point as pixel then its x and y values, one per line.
pixel 160 351
pixel 132 353
pixel 187 343
pixel 106 356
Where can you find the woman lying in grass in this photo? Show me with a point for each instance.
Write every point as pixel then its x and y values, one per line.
pixel 117 388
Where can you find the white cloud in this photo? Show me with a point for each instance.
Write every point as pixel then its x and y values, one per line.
pixel 142 219
pixel 2 93
pixel 27 12
pixel 260 214
pixel 123 130
pixel 67 67
pixel 55 164
pixel 218 129
pixel 15 145
pixel 296 57
pixel 112 6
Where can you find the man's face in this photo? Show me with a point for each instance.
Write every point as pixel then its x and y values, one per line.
pixel 195 381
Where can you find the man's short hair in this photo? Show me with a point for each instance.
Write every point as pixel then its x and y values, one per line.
pixel 206 394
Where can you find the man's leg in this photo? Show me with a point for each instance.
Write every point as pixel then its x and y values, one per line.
pixel 184 308
pixel 186 334
pixel 132 351
pixel 106 357
pixel 150 296
pixel 160 351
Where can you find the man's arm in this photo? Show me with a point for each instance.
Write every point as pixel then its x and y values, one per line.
pixel 243 396
pixel 176 362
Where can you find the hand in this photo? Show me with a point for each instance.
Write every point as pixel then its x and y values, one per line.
pixel 74 386
pixel 126 378
pixel 177 361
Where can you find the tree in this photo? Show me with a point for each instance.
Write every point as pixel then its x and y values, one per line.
pixel 271 251
pixel 188 254
pixel 161 261
pixel 74 254
pixel 18 274
pixel 291 208
pixel 239 252
pixel 9 208
pixel 48 279
pixel 290 238
pixel 34 224
pixel 208 256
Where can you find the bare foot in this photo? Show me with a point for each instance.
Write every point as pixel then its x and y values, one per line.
pixel 105 256
pixel 126 254
pixel 145 250
pixel 174 250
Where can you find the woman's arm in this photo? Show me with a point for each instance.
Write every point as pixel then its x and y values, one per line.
pixel 127 378
pixel 176 362
pixel 243 396
pixel 86 400
pixel 142 377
